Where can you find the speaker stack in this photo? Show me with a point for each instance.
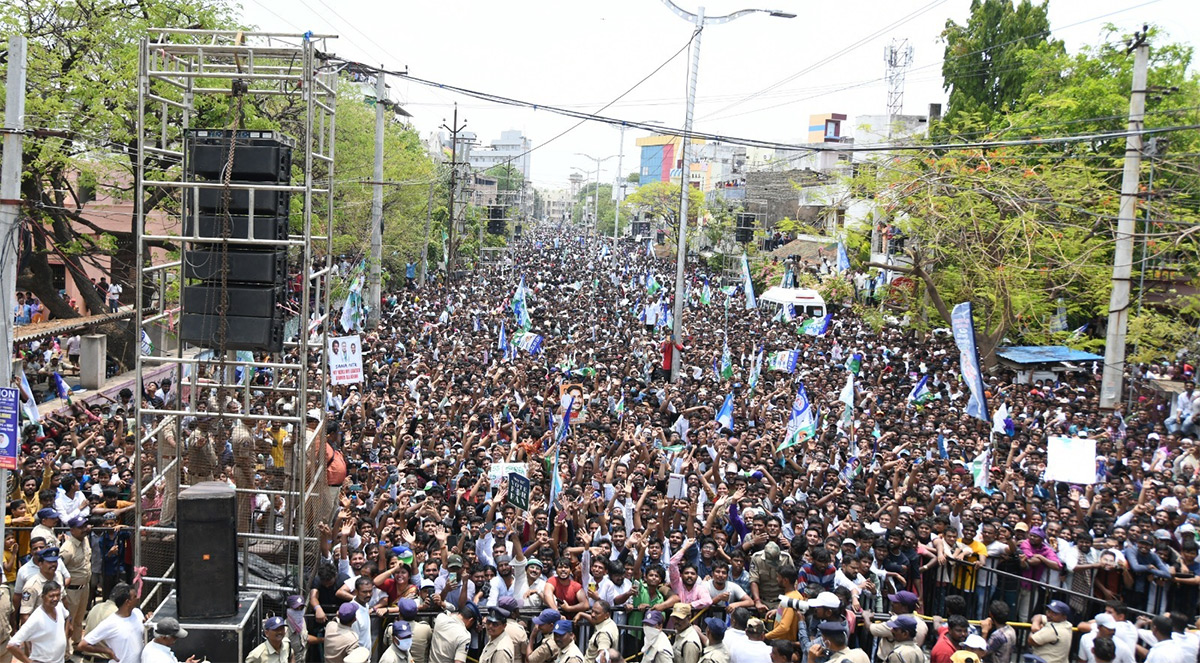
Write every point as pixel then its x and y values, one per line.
pixel 255 276
pixel 206 551
pixel 744 231
pixel 497 223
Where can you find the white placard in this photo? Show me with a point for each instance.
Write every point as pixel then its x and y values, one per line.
pixel 1071 460
pixel 345 360
pixel 500 471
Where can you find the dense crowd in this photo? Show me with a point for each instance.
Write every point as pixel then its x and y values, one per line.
pixel 653 528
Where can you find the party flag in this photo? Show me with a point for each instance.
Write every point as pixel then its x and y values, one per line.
pixel 920 392
pixel 725 415
pixel 747 284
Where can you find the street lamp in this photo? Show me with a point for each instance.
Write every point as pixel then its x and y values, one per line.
pixel 699 20
pixel 587 175
pixel 596 205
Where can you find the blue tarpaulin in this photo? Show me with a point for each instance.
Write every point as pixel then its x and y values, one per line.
pixel 1049 354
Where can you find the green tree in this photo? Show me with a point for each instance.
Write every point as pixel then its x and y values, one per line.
pixel 508 177
pixel 983 69
pixel 660 200
pixel 407 170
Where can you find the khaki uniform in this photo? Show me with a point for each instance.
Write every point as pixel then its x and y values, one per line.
pixel 393 655
pixel 6 631
pixel 715 654
pixel 339 641
pixel 422 633
pixel 77 556
pixel 765 573
pixel 1052 642
pixel 497 650
pixel 849 656
pixel 46 533
pixel 606 637
pixel 569 655
pixel 201 457
pixel 659 651
pixel 31 595
pixel 547 650
pixel 167 448
pixel 883 636
pixel 265 653
pixel 516 633
pixel 688 646
pixel 450 640
pixel 244 461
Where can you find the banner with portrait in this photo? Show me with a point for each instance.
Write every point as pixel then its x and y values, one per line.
pixel 345 360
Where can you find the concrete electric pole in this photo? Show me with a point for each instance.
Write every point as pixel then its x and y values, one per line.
pixel 375 276
pixel 10 205
pixel 1118 305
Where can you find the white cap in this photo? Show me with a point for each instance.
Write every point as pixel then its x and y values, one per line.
pixel 825 600
pixel 974 641
pixel 1106 620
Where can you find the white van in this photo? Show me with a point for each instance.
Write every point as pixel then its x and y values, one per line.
pixel 808 303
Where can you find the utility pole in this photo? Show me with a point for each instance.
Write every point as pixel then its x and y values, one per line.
pixel 10 204
pixel 425 251
pixel 618 186
pixel 375 277
pixel 452 247
pixel 1118 305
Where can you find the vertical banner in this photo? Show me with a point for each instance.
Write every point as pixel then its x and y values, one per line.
pixel 963 323
pixel 9 421
pixel 345 360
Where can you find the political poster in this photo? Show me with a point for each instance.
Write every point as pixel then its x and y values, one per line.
pixel 9 423
pixel 498 472
pixel 963 323
pixel 1071 460
pixel 345 360
pixel 518 491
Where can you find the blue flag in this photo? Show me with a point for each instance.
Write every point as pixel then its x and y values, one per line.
pixel 920 393
pixel 843 259
pixel 747 284
pixel 60 388
pixel 963 323
pixel 725 415
pixel 503 340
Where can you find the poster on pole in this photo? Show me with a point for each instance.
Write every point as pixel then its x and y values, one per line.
pixel 498 472
pixel 962 322
pixel 345 360
pixel 518 491
pixel 9 425
pixel 1071 460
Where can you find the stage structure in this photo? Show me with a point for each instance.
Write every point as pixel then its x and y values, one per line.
pixel 236 132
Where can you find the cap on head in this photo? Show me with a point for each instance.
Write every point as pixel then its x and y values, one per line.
pixel 653 618
pixel 1107 621
pixel 470 611
pixel 347 612
pixel 905 597
pixel 903 622
pixel 682 610
pixel 497 615
pixel 168 627
pixel 77 522
pixel 715 626
pixel 401 629
pixel 547 616
pixel 48 554
pixel 295 602
pixel 454 562
pixel 826 600
pixel 771 551
pixel 1021 527
pixel 274 623
pixel 832 627
pixel 562 627
pixel 407 608
pixel 1058 607
pixel 1038 532
pixel 510 604
pixel 975 641
pixel 47 513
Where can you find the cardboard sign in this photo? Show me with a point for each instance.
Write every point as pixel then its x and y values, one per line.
pixel 498 472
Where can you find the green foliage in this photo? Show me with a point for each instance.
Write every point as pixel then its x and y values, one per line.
pixel 1158 336
pixel 660 200
pixel 508 177
pixel 983 69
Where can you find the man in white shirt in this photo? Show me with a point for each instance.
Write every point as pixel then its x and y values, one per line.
pixel 1106 627
pixel 119 636
pixel 741 648
pixel 1167 649
pixel 44 633
pixel 616 590
pixel 166 633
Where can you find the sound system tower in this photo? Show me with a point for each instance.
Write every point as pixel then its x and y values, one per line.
pixel 497 223
pixel 215 639
pixel 206 551
pixel 248 281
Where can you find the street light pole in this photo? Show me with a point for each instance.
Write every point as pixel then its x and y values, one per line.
pixel 596 200
pixel 698 20
pixel 617 197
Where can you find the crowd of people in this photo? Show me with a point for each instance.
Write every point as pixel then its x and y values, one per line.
pixel 661 523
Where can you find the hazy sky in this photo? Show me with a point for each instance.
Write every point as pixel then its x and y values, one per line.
pixel 582 55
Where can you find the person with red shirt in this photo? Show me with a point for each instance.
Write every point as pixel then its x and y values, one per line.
pixel 956 631
pixel 668 348
pixel 563 592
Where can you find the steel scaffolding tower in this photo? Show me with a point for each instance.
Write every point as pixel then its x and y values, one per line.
pixel 222 77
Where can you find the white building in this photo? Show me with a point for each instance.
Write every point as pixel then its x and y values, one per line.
pixel 511 145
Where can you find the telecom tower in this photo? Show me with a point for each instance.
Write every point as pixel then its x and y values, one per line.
pixel 898 56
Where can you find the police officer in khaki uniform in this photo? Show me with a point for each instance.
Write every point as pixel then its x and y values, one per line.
pixel 76 553
pixel 905 650
pixel 543 646
pixel 564 637
pixel 605 634
pixel 514 628
pixel 764 575
pixel 657 646
pixel 714 634
pixel 499 648
pixel 31 594
pixel 418 652
pixel 688 646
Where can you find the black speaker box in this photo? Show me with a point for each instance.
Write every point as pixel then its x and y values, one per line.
pixel 245 266
pixel 251 163
pixel 258 301
pixel 206 551
pixel 216 639
pixel 242 333
pixel 240 227
pixel 266 203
